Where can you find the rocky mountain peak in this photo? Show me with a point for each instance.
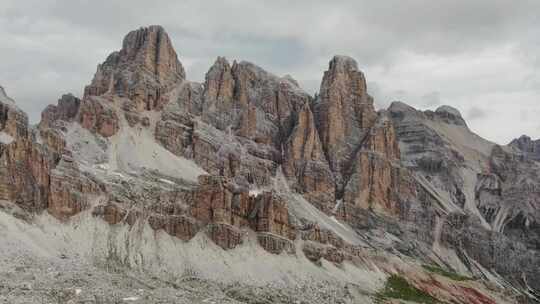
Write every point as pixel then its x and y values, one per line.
pixel 220 64
pixel 448 110
pixel 450 115
pixel 522 140
pixel 399 107
pixel 66 110
pixel 144 70
pixel 344 111
pixel 529 147
pixel 152 47
pixel 341 63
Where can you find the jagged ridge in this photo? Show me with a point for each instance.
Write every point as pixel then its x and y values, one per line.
pixel 250 150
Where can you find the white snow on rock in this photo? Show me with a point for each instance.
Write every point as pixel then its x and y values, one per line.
pixel 255 192
pixel 5 138
pixel 130 299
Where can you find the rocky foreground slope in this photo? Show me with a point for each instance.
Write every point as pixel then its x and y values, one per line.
pixel 247 189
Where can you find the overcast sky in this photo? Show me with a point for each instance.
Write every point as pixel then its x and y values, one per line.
pixel 480 56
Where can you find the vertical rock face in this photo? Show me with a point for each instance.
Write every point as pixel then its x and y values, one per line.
pixel 35 172
pixel 66 110
pixel 24 164
pixel 144 70
pixel 530 148
pixel 509 197
pixel 99 117
pixel 483 195
pixel 344 113
pixel 246 117
pixel 251 102
pixel 70 191
pixel 360 144
pixel 219 107
pixel 376 180
pixel 420 179
pixel 305 162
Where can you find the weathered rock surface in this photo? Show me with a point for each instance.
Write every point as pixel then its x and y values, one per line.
pixel 482 195
pixel 24 164
pixel 253 103
pixel 66 110
pixel 530 148
pixel 37 174
pixel 305 163
pixel 252 163
pixel 98 116
pixel 344 113
pixel 144 70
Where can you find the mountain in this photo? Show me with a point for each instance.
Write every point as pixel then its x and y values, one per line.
pixel 246 189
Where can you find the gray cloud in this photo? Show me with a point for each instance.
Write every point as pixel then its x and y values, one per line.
pixel 482 54
pixel 476 113
pixel 432 99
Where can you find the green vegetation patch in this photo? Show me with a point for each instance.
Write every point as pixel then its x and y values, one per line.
pixel 452 275
pixel 397 287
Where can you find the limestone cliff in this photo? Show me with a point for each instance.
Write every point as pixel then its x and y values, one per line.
pixel 265 182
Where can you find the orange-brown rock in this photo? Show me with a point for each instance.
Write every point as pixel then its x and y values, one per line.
pixel 225 236
pixel 70 190
pixel 36 171
pixel 372 185
pixel 95 116
pixel 53 139
pixel 216 202
pixel 111 213
pixel 219 95
pixel 344 113
pixel 323 236
pixel 304 162
pixel 382 138
pixel 270 214
pixel 180 226
pixel 377 180
pixel 276 244
pixel 175 132
pixel 24 163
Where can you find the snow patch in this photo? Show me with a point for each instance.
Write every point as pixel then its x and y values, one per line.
pixel 130 299
pixel 5 138
pixel 166 181
pixel 255 192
